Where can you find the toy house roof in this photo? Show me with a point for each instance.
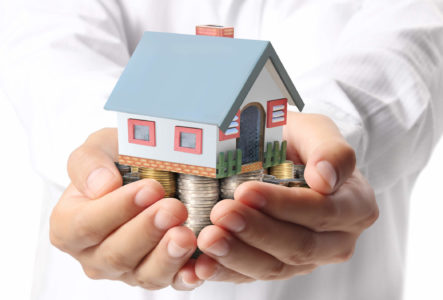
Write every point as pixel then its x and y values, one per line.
pixel 194 78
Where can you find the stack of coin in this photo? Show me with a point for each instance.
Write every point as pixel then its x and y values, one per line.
pixel 299 173
pixel 283 171
pixel 130 177
pixel 199 194
pixel 229 184
pixel 165 178
pixel 123 169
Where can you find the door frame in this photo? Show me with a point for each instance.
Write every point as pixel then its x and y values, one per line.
pixel 262 128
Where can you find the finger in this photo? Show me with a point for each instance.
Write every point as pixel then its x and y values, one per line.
pixel 329 159
pixel 158 269
pixel 352 208
pixel 78 223
pixel 209 269
pixel 186 279
pixel 240 257
pixel 288 242
pixel 91 166
pixel 124 249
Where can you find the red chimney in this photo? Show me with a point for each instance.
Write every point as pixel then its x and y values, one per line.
pixel 215 30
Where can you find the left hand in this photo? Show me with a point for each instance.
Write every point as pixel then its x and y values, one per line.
pixel 273 232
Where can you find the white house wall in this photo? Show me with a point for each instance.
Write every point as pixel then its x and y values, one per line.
pixel 273 73
pixel 265 88
pixel 164 136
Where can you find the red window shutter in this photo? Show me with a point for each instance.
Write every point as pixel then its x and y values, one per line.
pixel 233 130
pixel 276 113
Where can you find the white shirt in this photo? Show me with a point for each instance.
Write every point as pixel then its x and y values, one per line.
pixel 375 67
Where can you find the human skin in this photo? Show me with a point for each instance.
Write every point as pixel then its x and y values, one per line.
pixel 272 232
pixel 268 232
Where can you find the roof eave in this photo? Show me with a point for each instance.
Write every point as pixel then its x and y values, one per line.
pixel 268 53
pixel 284 76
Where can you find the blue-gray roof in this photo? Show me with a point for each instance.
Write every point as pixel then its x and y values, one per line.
pixel 201 79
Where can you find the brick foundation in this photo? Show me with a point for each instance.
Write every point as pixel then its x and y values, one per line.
pixel 167 166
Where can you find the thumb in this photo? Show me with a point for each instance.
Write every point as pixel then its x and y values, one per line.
pixel 317 142
pixel 91 166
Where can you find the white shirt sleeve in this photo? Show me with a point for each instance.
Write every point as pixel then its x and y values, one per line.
pixel 384 86
pixel 59 62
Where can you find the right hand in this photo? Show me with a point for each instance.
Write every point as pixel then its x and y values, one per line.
pixel 127 233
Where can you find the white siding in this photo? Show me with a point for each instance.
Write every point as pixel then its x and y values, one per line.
pixel 164 135
pixel 263 90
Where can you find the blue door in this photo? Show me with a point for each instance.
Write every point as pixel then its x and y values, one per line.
pixel 251 133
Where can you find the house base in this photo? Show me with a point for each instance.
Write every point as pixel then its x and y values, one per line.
pixel 167 166
pixel 180 168
pixel 251 167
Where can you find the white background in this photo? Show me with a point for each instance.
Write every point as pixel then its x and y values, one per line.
pixel 21 201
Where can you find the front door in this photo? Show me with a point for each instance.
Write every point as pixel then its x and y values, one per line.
pixel 251 133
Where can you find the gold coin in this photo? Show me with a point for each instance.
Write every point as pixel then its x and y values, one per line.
pixel 283 171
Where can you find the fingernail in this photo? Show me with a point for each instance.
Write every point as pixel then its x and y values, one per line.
pixel 189 285
pixel 145 196
pixel 255 199
pixel 175 250
pixel 219 248
pixel 233 222
pixel 327 171
pixel 164 220
pixel 99 179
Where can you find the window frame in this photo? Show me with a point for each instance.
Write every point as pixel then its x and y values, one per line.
pixel 149 124
pixel 270 110
pixel 198 139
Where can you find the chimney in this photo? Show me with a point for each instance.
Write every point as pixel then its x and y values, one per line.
pixel 215 30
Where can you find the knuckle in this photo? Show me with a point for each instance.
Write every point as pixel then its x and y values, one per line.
pixel 150 285
pixel 77 155
pixel 372 211
pixel 243 280
pixel 346 255
pixel 349 154
pixel 57 241
pixel 305 252
pixel 329 217
pixel 56 236
pixel 275 272
pixel 93 273
pixel 130 282
pixel 307 270
pixel 84 231
pixel 154 286
pixel 372 217
pixel 116 261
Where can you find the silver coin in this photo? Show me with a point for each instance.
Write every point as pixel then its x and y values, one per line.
pixel 228 185
pixel 201 192
pixel 199 195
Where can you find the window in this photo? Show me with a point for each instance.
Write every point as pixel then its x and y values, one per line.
pixel 141 132
pixel 233 130
pixel 188 139
pixel 276 113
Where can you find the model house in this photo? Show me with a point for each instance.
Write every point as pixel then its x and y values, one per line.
pixel 203 105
